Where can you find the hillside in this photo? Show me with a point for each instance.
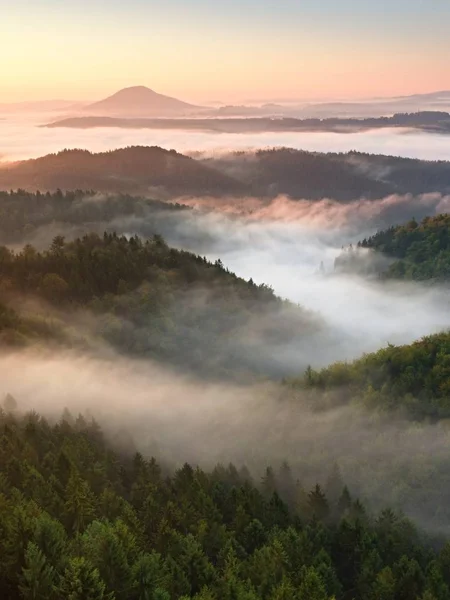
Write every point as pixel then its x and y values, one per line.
pixel 140 101
pixel 146 299
pixel 344 176
pixel 35 218
pixel 81 520
pixel 165 174
pixel 414 379
pixel 419 251
pixel 136 169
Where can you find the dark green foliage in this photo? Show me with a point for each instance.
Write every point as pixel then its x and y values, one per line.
pixel 413 378
pixel 80 581
pixel 32 217
pixel 420 251
pixel 37 581
pixel 149 300
pixel 192 535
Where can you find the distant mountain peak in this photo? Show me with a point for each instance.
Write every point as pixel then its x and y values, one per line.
pixel 140 100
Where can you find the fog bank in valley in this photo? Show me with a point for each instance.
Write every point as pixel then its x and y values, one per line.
pixel 22 138
pixel 292 246
pixel 144 407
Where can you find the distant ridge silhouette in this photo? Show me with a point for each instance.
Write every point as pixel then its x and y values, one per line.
pixel 140 101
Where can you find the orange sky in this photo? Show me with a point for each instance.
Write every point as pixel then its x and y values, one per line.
pixel 261 50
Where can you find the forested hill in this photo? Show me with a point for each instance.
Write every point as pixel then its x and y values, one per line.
pixel 82 522
pixel 159 173
pixel 412 379
pixel 341 176
pixel 38 217
pixel 136 169
pixel 150 300
pixel 420 251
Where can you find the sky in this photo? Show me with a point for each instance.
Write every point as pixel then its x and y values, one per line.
pixel 227 51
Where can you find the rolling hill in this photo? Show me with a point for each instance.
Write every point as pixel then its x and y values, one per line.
pixel 266 173
pixel 419 251
pixel 136 169
pixel 344 176
pixel 149 300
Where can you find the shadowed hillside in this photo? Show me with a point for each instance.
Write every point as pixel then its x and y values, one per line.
pixel 136 169
pixel 163 173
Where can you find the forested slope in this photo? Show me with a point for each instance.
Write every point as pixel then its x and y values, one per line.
pixel 38 217
pixel 414 379
pixel 420 251
pixel 79 521
pixel 160 173
pixel 341 176
pixel 135 169
pixel 150 300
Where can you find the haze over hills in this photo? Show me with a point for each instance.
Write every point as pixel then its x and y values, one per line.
pixel 265 173
pixel 378 107
pixel 342 176
pixel 134 169
pixel 431 121
pixel 140 101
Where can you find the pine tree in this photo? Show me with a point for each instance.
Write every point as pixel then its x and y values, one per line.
pixel 50 537
pixel 318 504
pixel 268 483
pixel 311 587
pixel 82 582
pixel 284 591
pixel 384 586
pixel 38 577
pixel 148 577
pixel 79 503
pixel 345 502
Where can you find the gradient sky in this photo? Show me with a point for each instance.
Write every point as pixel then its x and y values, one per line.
pixel 226 50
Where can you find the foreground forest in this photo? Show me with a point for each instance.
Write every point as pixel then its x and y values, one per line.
pixel 83 522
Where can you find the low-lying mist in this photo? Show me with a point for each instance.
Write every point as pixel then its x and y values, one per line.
pixel 144 407
pixel 22 138
pixel 296 257
pixel 292 246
